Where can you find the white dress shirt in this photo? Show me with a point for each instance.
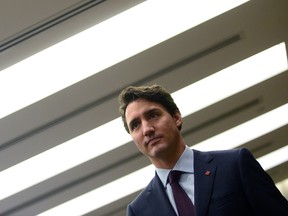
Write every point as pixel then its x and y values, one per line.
pixel 186 165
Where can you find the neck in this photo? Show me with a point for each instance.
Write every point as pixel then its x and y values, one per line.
pixel 168 162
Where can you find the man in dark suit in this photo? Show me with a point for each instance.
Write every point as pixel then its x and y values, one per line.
pixel 224 183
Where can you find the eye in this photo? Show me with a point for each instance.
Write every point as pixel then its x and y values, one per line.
pixel 134 125
pixel 153 115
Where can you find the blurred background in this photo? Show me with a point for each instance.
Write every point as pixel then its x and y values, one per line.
pixel 63 149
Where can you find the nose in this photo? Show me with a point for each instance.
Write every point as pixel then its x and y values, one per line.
pixel 148 128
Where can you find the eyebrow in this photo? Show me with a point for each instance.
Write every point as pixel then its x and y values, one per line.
pixel 147 112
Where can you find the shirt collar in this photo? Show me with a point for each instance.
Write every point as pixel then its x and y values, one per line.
pixel 184 164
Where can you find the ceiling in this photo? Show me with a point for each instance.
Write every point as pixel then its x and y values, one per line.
pixel 29 26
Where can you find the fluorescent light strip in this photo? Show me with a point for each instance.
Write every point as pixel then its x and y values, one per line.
pixel 248 130
pixel 102 195
pixel 232 80
pixel 283 187
pixel 274 158
pixel 101 46
pixel 84 147
pixel 136 181
pixel 51 162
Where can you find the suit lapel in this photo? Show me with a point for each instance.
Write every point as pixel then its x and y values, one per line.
pixel 205 171
pixel 158 200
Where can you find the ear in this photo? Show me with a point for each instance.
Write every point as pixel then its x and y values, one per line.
pixel 178 118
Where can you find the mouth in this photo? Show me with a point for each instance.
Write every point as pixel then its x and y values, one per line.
pixel 153 141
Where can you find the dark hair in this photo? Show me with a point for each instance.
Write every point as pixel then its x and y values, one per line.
pixel 154 93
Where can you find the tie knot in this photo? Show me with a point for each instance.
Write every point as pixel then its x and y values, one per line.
pixel 174 176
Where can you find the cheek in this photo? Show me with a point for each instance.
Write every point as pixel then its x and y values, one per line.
pixel 168 126
pixel 139 145
pixel 136 139
pixel 170 130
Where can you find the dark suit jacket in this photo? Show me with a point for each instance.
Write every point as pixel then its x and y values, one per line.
pixel 235 186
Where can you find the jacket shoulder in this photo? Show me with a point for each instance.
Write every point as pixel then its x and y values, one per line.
pixel 222 155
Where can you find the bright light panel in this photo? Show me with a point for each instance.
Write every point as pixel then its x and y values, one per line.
pixel 283 187
pixel 233 79
pixel 102 195
pixel 248 130
pixel 101 46
pixel 84 147
pixel 274 158
pixel 89 201
pixel 51 162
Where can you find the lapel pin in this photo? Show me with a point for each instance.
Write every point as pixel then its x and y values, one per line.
pixel 207 173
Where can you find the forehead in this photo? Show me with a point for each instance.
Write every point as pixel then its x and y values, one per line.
pixel 140 107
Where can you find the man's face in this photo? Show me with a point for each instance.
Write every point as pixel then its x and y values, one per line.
pixel 153 129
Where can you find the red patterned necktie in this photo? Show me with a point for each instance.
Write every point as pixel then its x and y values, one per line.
pixel 183 203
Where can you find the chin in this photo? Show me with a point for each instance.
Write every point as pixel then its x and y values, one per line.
pixel 158 150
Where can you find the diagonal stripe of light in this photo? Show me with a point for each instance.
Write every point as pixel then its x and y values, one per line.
pixel 249 131
pixel 102 195
pixel 84 147
pixel 101 46
pixel 274 158
pixel 233 79
pixel 134 181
